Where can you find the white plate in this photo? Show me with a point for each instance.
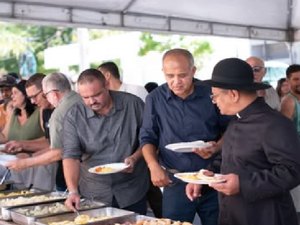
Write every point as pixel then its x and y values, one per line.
pixel 109 168
pixel 187 146
pixel 187 177
pixel 6 158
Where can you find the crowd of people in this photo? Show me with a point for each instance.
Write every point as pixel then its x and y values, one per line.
pixel 253 132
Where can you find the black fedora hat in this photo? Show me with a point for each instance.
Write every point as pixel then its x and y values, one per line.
pixel 234 73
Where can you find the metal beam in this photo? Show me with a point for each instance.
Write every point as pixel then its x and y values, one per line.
pixel 84 17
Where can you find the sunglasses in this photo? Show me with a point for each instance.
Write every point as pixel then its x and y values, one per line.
pixel 257 69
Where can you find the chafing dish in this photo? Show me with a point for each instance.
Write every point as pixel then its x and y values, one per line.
pixel 16 193
pixel 109 216
pixel 27 215
pixel 8 203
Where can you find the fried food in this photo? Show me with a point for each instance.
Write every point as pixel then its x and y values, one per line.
pixel 103 169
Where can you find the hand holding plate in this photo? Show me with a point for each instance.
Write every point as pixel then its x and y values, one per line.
pixel 207 151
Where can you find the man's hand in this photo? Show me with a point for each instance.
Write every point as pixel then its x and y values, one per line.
pixel 230 187
pixel 73 202
pixel 13 147
pixel 193 191
pixel 159 177
pixel 18 164
pixel 207 152
pixel 131 161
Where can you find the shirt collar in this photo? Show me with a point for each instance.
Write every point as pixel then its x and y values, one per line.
pixel 117 105
pixel 198 91
pixel 257 105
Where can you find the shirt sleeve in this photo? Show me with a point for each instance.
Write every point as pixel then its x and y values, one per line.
pixel 149 130
pixel 71 140
pixel 282 150
pixel 55 129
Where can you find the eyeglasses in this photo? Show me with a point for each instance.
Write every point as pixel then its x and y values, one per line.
pixel 48 92
pixel 34 96
pixel 214 96
pixel 257 69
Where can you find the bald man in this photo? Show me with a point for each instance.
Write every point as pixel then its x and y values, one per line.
pixel 259 71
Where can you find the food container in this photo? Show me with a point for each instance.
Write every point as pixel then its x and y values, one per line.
pixel 27 215
pixel 109 216
pixel 16 193
pixel 8 203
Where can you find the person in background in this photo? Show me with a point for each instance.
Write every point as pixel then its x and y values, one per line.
pixel 35 94
pixel 179 111
pixel 112 75
pixel 290 107
pixel 283 87
pixel 6 84
pixel 150 86
pixel 57 90
pixel 24 122
pixel 104 129
pixel 260 152
pixel 270 95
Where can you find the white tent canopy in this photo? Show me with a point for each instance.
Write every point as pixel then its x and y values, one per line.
pixel 257 19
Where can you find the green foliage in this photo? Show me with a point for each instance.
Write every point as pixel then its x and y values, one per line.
pixel 15 39
pixel 161 43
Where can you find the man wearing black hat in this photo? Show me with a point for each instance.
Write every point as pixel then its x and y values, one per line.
pixel 260 152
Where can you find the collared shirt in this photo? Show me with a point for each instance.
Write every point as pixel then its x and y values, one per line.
pixel 263 149
pixel 97 140
pixel 137 90
pixel 56 119
pixel 170 119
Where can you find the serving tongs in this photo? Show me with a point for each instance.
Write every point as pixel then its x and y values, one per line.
pixel 4 176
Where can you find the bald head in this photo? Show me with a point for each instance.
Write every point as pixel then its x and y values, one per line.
pixel 258 67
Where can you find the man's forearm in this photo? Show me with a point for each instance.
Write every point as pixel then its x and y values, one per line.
pixel 49 156
pixel 150 155
pixel 71 171
pixel 35 145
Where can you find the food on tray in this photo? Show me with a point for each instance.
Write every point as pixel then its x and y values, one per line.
pixel 27 200
pixel 200 176
pixel 104 169
pixel 40 210
pixel 55 208
pixel 81 219
pixel 15 193
pixel 156 222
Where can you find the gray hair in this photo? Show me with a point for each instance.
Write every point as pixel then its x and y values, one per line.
pixel 57 81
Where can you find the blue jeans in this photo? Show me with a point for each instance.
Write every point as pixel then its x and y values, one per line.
pixel 177 206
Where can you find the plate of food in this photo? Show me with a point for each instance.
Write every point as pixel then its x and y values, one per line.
pixel 184 147
pixel 199 177
pixel 109 168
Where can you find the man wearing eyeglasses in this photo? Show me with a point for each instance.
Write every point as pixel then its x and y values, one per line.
pixel 57 90
pixel 260 152
pixel 270 95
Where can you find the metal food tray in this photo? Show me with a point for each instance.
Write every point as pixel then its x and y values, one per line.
pixel 115 216
pixel 20 216
pixel 26 192
pixel 5 208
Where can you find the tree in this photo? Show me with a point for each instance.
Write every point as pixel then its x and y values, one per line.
pixel 16 39
pixel 150 42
